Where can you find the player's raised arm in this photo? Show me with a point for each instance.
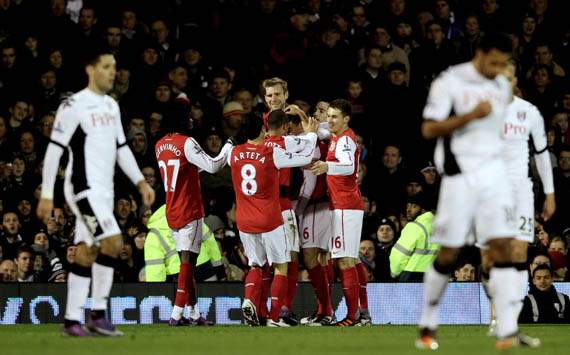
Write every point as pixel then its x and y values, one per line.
pixel 63 129
pixel 438 120
pixel 543 165
pixel 129 166
pixel 345 152
pixel 286 159
pixel 196 155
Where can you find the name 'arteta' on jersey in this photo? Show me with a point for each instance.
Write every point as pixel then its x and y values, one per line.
pixel 249 156
pixel 168 146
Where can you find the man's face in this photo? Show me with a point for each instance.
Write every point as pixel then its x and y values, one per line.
pixel 70 254
pixel 489 7
pixel 114 37
pixel 381 37
pixel 8 270
pixel 542 55
pixel 245 98
pixel 159 31
pixel 192 56
pixel 126 252
pixel 435 34
pixel 466 273
pixel 374 60
pixel 412 211
pixel 397 77
pixel 404 30
pixel 492 63
pixel 442 9
pixel 137 123
pixel 430 176
pixel 24 262
pixel 391 158
pixel 557 245
pixel 529 25
pixel 561 120
pixel 9 57
pixel 367 250
pixel 19 167
pixel 542 280
pixel 57 7
pixel 10 223
pixel 220 87
pixel 397 7
pixel 149 175
pixel 267 6
pixel 321 111
pixel 155 122
pixel 42 240
pixel 129 20
pixel 150 56
pixel 162 93
pixel 214 143
pixel 354 89
pixel 385 234
pixel 27 142
pixel 413 187
pixel 102 74
pixel 337 121
pixel 123 208
pixel 87 19
pixel 275 97
pixel 179 78
pixel 48 80
pixel 564 161
pixel 20 111
pixel 25 207
pixel 358 16
pixel 138 143
pixel 472 26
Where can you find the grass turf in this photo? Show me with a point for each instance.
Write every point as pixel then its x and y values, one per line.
pixel 236 340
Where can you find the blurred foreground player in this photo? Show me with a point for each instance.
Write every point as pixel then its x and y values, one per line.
pixel 88 125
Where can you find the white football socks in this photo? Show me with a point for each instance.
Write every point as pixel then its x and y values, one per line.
pixel 77 292
pixel 435 284
pixel 101 285
pixel 504 283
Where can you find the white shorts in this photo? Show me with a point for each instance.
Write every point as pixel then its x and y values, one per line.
pixel 269 247
pixel 316 226
pixel 346 229
pixel 94 220
pixel 189 237
pixel 291 229
pixel 478 205
pixel 524 200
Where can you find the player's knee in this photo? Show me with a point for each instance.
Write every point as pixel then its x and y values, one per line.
pixel 280 269
pixel 85 256
pixel 310 258
pixel 519 251
pixel 112 246
pixel 294 257
pixel 345 263
pixel 500 250
pixel 185 256
pixel 447 256
pixel 486 261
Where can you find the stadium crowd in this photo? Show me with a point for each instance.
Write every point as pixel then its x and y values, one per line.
pixel 199 64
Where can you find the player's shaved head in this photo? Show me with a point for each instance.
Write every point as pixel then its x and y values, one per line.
pixel 252 127
pixel 277 119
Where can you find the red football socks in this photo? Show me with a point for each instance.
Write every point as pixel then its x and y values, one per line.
pixel 278 295
pixel 363 280
pixel 252 287
pixel 350 288
pixel 183 285
pixel 265 287
pixel 320 284
pixel 292 274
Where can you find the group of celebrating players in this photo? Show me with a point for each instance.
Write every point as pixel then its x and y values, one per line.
pixel 470 109
pixel 329 204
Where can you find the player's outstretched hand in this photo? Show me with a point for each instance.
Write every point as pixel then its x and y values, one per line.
pixel 147 193
pixel 44 210
pixel 310 125
pixel 297 111
pixel 483 109
pixel 549 207
pixel 319 167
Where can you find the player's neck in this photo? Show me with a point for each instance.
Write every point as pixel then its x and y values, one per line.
pixel 340 131
pixel 256 141
pixel 94 89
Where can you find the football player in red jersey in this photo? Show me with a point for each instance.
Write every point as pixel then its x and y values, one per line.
pixel 341 167
pixel 180 158
pixel 255 176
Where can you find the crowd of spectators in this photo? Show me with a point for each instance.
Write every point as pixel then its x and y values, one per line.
pixel 196 66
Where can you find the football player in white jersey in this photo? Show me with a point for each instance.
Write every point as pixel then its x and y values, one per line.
pixel 522 122
pixel 465 110
pixel 88 125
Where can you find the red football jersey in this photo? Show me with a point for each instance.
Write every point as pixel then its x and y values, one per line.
pixel 284 174
pixel 256 184
pixel 181 180
pixel 343 190
pixel 320 192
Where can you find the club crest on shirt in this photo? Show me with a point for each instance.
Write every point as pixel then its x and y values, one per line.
pixel 521 115
pixel 332 146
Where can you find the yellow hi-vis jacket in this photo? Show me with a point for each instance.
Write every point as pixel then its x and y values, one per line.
pixel 160 255
pixel 414 251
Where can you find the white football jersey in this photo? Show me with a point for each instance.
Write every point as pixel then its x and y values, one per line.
pixel 522 120
pixel 457 91
pixel 89 126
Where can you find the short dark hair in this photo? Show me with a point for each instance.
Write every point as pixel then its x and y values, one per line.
pixel 277 119
pixel 220 73
pixel 542 267
pixel 342 105
pixel 251 126
pixel 93 56
pixel 369 49
pixel 24 249
pixel 496 40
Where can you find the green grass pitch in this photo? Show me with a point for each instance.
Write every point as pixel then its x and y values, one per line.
pixel 237 340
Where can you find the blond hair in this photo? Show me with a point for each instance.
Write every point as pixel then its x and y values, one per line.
pixel 268 83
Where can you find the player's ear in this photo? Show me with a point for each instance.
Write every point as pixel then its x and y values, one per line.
pixel 286 95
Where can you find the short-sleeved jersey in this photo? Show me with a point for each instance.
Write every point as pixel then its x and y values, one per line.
pixel 456 92
pixel 181 179
pixel 256 183
pixel 284 174
pixel 522 120
pixel 89 126
pixel 344 193
pixel 320 192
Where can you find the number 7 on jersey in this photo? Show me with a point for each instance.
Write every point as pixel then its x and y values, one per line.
pixel 163 167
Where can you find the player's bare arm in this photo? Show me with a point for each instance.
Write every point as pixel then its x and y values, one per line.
pixel 433 129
